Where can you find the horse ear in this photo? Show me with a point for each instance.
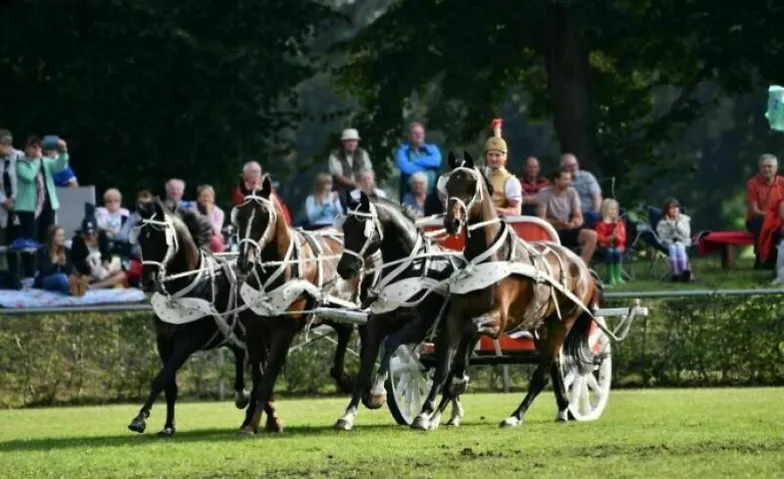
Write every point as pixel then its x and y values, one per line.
pixel 452 160
pixel 241 185
pixel 266 187
pixel 350 201
pixel 469 161
pixel 158 208
pixel 364 201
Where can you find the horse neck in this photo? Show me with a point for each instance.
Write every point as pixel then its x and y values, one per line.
pixel 282 236
pixel 399 239
pixel 476 244
pixel 187 258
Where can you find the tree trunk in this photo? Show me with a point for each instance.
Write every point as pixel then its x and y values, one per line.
pixel 567 63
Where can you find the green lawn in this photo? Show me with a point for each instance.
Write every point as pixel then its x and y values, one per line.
pixel 643 433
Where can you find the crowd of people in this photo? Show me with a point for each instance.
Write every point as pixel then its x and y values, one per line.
pixel 570 199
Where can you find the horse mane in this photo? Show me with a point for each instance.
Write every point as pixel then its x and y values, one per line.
pixel 197 225
pixel 403 210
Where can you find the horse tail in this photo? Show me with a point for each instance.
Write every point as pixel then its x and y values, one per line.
pixel 577 350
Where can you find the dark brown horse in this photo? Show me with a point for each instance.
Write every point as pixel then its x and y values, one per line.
pixel 287 273
pixel 511 284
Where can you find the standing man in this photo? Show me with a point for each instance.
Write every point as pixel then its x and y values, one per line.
pixel 763 192
pixel 415 156
pixel 587 187
pixel 8 187
pixel 507 192
pixel 347 162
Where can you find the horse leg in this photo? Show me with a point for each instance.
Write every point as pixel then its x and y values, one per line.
pixel 485 324
pixel 338 371
pixel 370 335
pixel 178 353
pixel 171 397
pixel 430 417
pixel 551 336
pixel 241 395
pixel 283 333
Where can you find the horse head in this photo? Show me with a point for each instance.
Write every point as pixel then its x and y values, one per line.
pixel 362 235
pixel 255 220
pixel 157 238
pixel 465 188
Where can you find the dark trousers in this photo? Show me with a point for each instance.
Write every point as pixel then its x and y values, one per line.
pixel 754 226
pixel 10 234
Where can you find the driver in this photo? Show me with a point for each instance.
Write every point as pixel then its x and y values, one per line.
pixel 507 190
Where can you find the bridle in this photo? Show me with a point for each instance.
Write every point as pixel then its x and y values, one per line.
pixel 372 227
pixel 464 208
pixel 172 243
pixel 246 238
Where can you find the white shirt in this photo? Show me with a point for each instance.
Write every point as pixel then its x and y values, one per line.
pixel 513 189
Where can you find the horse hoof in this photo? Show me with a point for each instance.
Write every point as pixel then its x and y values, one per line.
pixel 570 415
pixel 374 401
pixel 421 423
pixel 510 422
pixel 453 422
pixel 241 399
pixel 458 386
pixel 273 425
pixel 138 425
pixel 562 416
pixel 344 425
pixel 246 430
pixel 167 431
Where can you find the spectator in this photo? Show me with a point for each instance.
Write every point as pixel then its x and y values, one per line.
pixel 251 176
pixel 8 190
pixel 55 269
pixel 323 206
pixel 111 216
pixel 346 163
pixel 532 183
pixel 611 237
pixel 205 204
pixel 587 187
pixel 367 184
pixel 92 257
pixel 175 190
pixel 507 192
pixel 65 178
pixel 763 191
pixel 559 205
pixel 674 232
pixel 416 155
pixel 433 204
pixel 36 201
pixel 143 197
pixel 417 197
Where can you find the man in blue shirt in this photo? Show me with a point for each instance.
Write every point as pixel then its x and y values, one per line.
pixel 587 187
pixel 415 156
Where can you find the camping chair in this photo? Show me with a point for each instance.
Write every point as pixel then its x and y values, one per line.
pixel 658 264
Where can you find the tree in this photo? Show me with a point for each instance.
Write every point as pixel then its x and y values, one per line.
pixel 150 89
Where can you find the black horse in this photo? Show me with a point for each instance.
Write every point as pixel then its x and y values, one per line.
pixel 375 224
pixel 177 263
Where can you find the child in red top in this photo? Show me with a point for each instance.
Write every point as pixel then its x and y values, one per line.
pixel 611 238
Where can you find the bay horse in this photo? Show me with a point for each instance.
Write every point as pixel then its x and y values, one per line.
pixel 177 265
pixel 286 274
pixel 510 284
pixel 413 267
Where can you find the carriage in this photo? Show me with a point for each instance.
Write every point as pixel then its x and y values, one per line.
pixel 411 368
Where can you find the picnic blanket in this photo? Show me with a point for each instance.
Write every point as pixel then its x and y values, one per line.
pixel 38 298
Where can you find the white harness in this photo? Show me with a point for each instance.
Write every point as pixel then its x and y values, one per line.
pixel 178 308
pixel 480 273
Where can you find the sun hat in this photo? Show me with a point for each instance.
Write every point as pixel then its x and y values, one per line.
pixel 349 134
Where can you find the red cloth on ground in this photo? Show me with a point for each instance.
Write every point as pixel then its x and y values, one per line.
pixel 237 198
pixel 604 230
pixel 770 225
pixel 716 240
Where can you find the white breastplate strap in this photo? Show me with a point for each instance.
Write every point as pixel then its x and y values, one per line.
pixel 398 293
pixel 277 301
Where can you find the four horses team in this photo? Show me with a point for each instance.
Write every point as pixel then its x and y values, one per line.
pixel 379 272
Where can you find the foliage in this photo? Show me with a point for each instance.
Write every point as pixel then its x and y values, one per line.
pixel 146 90
pixel 110 358
pixel 621 79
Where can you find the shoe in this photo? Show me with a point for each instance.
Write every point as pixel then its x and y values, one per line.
pixel 618 274
pixel 686 276
pixel 675 278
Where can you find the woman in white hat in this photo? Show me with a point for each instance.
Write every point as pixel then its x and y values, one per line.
pixel 347 162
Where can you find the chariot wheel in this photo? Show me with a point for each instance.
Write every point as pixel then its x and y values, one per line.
pixel 588 392
pixel 408 384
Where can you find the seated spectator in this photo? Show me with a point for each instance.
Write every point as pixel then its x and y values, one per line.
pixel 346 163
pixel 175 190
pixel 323 206
pixel 674 232
pixel 532 183
pixel 65 178
pixel 416 155
pixel 417 197
pixel 367 184
pixel 251 176
pixel 763 191
pixel 111 216
pixel 143 197
pixel 91 255
pixel 205 204
pixel 587 187
pixel 611 238
pixel 507 192
pixel 55 270
pixel 433 204
pixel 559 205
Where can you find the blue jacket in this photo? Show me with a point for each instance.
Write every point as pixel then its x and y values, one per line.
pixel 427 159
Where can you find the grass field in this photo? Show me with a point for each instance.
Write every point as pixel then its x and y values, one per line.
pixel 643 433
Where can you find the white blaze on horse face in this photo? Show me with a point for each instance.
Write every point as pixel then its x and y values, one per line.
pixel 250 253
pixel 368 228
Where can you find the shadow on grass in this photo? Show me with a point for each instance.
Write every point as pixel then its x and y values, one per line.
pixel 198 435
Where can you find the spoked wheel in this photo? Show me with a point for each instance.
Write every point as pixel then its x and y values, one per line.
pixel 588 393
pixel 408 384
